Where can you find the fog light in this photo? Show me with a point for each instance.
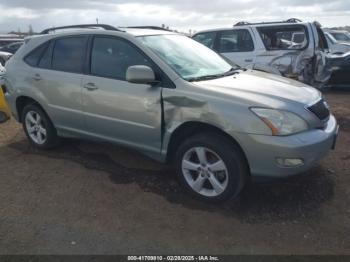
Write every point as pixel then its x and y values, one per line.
pixel 289 162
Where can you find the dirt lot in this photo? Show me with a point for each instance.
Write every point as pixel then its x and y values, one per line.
pixel 86 198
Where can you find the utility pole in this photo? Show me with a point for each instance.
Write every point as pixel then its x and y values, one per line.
pixel 97 21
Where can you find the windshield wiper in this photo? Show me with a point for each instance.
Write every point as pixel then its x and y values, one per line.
pixel 232 71
pixel 202 78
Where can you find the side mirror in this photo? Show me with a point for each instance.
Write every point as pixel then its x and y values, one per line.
pixel 140 74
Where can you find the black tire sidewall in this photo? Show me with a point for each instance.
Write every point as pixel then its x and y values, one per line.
pixel 3 117
pixel 231 155
pixel 51 133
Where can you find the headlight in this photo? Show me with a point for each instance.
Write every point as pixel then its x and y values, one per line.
pixel 281 122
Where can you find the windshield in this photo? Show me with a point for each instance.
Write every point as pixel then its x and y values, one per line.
pixel 341 36
pixel 190 59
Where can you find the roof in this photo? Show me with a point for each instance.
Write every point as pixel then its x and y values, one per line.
pixel 145 31
pixel 248 25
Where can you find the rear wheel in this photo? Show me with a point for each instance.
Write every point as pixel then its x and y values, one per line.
pixel 211 167
pixel 38 127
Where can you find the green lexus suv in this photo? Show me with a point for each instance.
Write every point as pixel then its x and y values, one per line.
pixel 170 98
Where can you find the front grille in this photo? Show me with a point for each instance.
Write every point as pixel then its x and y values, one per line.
pixel 320 109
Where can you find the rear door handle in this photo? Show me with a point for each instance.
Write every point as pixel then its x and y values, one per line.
pixel 37 77
pixel 90 87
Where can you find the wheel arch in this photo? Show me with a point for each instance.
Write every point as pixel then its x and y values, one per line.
pixel 22 101
pixel 191 128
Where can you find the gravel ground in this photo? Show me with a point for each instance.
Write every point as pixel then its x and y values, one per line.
pixel 87 198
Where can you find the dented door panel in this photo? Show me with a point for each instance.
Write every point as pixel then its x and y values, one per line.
pixel 290 63
pixel 313 65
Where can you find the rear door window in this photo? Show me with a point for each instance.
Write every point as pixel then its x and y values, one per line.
pixel 69 54
pixel 206 39
pixel 235 41
pixel 294 37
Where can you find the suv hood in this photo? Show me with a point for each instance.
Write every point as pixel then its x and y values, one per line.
pixel 3 53
pixel 344 43
pixel 253 84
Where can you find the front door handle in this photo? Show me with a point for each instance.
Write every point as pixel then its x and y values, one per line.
pixel 37 77
pixel 90 87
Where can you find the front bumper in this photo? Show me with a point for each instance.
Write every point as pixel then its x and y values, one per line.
pixel 263 151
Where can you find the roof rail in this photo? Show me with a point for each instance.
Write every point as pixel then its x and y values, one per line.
pixel 149 27
pixel 103 26
pixel 290 20
pixel 293 20
pixel 242 23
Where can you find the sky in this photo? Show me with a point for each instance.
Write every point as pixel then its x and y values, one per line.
pixel 178 14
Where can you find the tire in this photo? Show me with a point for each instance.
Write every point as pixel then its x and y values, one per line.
pixel 208 182
pixel 40 131
pixel 3 117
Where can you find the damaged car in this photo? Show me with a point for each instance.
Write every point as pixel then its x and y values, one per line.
pixel 4 56
pixel 291 48
pixel 340 35
pixel 335 46
pixel 11 48
pixel 172 99
pixel 340 77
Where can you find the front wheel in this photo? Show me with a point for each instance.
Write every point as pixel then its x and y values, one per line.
pixel 211 167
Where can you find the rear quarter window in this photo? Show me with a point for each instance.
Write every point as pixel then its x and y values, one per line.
pixel 46 58
pixel 294 37
pixel 34 56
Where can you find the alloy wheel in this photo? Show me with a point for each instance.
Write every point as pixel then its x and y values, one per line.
pixel 205 172
pixel 35 127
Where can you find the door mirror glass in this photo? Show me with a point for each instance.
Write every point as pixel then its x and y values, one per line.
pixel 140 74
